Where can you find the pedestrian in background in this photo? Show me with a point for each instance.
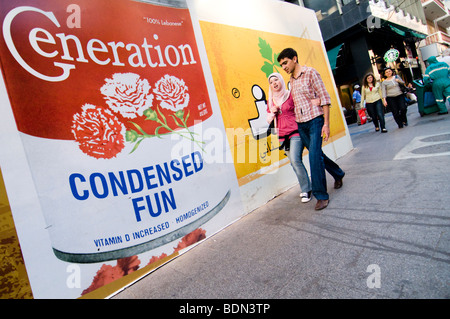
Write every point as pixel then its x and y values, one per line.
pixel 371 94
pixel 281 110
pixel 392 96
pixel 313 122
pixel 361 116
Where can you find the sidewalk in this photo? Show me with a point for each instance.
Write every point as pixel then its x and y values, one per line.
pixel 385 233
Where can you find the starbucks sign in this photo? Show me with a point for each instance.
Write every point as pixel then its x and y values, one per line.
pixel 391 55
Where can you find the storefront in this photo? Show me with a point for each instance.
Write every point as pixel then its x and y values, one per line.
pixel 372 30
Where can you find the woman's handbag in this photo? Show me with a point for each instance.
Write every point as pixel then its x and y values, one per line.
pixel 403 88
pixel 362 115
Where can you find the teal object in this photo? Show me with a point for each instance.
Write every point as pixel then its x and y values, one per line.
pixel 333 55
pixel 437 74
pixel 426 101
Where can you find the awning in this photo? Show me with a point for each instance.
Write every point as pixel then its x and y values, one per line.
pixel 333 55
pixel 406 32
pixel 397 30
pixel 417 35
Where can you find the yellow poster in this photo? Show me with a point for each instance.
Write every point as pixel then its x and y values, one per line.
pixel 241 60
pixel 14 283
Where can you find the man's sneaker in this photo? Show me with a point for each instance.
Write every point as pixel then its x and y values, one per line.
pixel 306 197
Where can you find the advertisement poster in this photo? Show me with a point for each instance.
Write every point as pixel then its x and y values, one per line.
pixel 248 74
pixel 131 130
pixel 248 45
pixel 108 112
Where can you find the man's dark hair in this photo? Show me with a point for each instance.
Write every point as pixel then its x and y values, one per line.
pixel 287 53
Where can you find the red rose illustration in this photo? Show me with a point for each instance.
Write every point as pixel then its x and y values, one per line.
pixel 191 238
pixel 125 266
pixel 127 94
pixel 155 259
pixel 98 132
pixel 105 275
pixel 128 264
pixel 172 92
pixel 108 274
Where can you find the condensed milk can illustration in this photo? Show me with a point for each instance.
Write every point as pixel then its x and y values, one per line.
pixel 101 96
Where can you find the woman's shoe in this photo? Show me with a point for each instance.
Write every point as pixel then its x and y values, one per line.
pixel 377 129
pixel 306 197
pixel 384 131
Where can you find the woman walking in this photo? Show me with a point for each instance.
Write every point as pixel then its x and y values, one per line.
pixel 371 93
pixel 393 96
pixel 281 110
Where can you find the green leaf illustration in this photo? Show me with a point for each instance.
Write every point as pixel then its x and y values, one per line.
pixel 270 65
pixel 157 131
pixel 265 49
pixel 139 128
pixel 134 137
pixel 176 121
pixel 162 115
pixel 275 58
pixel 136 145
pixel 267 68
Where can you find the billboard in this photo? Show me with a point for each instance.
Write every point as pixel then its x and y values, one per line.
pixel 110 121
pixel 136 129
pixel 242 41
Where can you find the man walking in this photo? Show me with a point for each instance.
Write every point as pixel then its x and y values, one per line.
pixel 312 103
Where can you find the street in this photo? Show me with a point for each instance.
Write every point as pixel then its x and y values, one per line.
pixel 384 235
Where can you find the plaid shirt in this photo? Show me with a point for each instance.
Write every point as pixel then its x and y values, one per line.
pixel 307 86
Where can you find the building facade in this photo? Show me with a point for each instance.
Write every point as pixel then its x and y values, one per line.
pixel 359 33
pixel 438 21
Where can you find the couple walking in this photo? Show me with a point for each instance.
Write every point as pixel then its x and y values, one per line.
pixel 302 119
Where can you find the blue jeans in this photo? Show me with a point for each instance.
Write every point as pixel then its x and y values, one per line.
pixel 376 112
pixel 310 133
pixel 295 157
